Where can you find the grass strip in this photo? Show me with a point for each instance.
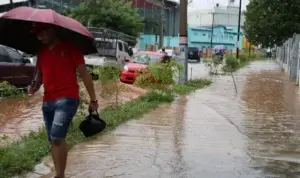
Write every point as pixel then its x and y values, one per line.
pixel 20 157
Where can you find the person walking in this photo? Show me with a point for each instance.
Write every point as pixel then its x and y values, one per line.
pixel 57 63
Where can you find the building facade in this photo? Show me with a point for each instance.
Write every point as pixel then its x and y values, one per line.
pixel 201 37
pixel 219 15
pixel 151 11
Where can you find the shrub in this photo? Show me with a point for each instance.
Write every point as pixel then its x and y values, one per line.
pixel 159 75
pixel 108 75
pixel 7 90
pixel 231 63
pixel 243 58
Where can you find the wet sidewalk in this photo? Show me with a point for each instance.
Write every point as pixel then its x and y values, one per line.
pixel 213 132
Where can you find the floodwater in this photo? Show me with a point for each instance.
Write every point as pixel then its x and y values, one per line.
pixel 213 132
pixel 18 117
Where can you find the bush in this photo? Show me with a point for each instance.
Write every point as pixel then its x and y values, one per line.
pixel 243 58
pixel 231 64
pixel 108 75
pixel 7 90
pixel 159 75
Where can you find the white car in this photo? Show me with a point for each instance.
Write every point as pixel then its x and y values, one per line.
pixel 94 60
pixel 170 52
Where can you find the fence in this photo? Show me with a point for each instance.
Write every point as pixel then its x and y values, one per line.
pixel 288 56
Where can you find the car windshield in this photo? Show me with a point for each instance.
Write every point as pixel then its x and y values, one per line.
pixel 192 49
pixel 145 58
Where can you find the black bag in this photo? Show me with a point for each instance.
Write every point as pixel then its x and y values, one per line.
pixel 92 125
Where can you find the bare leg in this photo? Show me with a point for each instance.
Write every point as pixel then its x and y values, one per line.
pixel 60 153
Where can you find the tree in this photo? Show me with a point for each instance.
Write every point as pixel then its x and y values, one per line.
pixel 271 22
pixel 112 14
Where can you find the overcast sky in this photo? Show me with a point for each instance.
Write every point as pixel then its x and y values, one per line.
pixel 207 4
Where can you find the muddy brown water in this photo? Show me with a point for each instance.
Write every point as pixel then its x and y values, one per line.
pixel 18 117
pixel 213 132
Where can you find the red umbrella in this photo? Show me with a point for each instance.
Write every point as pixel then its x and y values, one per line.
pixel 16 29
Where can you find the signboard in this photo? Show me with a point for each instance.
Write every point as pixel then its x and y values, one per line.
pixel 237 44
pixel 183 40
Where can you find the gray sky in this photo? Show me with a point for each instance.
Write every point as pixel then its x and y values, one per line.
pixel 207 4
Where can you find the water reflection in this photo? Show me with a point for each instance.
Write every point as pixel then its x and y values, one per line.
pixel 149 147
pixel 20 116
pixel 271 115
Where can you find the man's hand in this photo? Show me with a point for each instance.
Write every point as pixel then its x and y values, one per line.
pixel 93 106
pixel 30 90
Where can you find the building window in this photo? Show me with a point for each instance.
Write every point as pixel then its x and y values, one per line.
pixel 195 33
pixel 203 34
pixel 231 37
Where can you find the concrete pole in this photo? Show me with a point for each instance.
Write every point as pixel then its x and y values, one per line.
pixel 212 34
pixel 162 16
pixel 183 36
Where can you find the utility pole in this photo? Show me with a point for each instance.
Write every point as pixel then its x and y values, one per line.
pixel 239 31
pixel 162 14
pixel 212 33
pixel 183 42
pixel 11 4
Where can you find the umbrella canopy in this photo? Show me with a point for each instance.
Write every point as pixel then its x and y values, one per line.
pixel 219 47
pixel 16 29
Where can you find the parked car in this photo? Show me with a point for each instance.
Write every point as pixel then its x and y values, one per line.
pixel 15 68
pixel 139 62
pixel 194 54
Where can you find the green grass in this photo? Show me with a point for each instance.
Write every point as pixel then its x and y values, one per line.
pixel 20 157
pixel 232 64
pixel 7 90
pixel 190 86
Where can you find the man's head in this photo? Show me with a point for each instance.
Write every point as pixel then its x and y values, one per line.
pixel 45 33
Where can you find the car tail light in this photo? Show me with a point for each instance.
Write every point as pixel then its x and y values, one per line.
pixel 198 53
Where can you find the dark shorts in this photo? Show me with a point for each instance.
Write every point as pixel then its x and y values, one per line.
pixel 58 115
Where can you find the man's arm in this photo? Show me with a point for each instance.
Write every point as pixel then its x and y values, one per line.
pixel 37 82
pixel 87 80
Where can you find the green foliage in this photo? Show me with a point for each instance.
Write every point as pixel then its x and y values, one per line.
pixel 190 86
pixel 108 75
pixel 159 75
pixel 107 72
pixel 214 64
pixel 232 64
pixel 115 15
pixel 7 90
pixel 271 22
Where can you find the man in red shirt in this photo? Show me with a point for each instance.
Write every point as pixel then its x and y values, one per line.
pixel 57 64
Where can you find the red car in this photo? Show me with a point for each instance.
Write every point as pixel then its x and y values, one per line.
pixel 138 63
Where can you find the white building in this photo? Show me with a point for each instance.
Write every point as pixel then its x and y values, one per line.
pixel 223 15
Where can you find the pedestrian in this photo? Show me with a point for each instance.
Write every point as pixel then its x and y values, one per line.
pixel 58 61
pixel 130 51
